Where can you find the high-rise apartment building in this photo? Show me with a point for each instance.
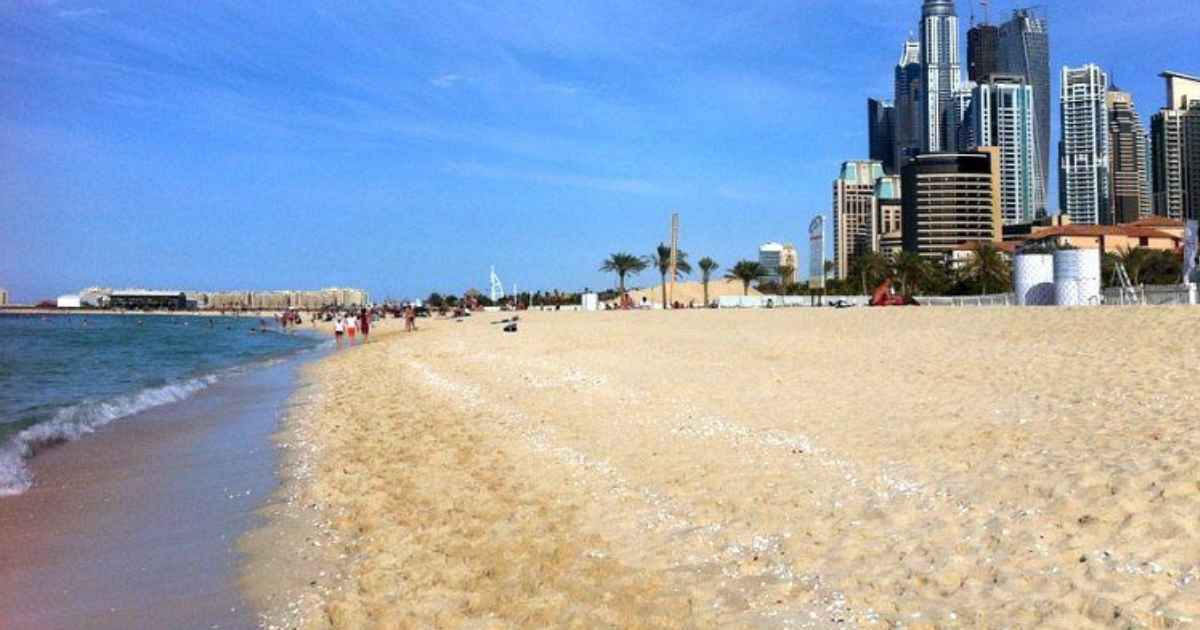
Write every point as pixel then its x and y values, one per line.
pixel 941 72
pixel 907 103
pixel 1129 199
pixel 1024 49
pixel 3 297
pixel 881 130
pixel 1084 156
pixel 1175 135
pixel 853 212
pixel 983 43
pixel 951 198
pixel 1002 117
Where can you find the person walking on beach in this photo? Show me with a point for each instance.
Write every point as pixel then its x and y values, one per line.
pixel 351 327
pixel 364 324
pixel 410 318
pixel 339 329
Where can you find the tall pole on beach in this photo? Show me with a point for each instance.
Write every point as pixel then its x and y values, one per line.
pixel 674 256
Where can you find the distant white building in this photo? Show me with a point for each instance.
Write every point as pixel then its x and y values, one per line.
pixel 69 301
pixel 770 256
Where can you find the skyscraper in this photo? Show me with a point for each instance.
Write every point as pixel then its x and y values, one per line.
pixel 908 104
pixel 881 131
pixel 1130 199
pixel 1024 49
pixel 1175 134
pixel 941 72
pixel 853 212
pixel 1002 117
pixel 1084 151
pixel 983 43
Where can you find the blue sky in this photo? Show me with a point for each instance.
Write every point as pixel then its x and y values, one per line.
pixel 406 147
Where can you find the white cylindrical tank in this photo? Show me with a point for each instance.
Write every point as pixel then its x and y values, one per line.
pixel 1033 279
pixel 1076 277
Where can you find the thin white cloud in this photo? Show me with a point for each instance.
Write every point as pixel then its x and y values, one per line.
pixel 611 184
pixel 446 80
pixel 75 14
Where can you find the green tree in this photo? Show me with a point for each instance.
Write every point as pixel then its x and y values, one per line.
pixel 623 264
pixel 787 275
pixel 1134 259
pixel 747 271
pixel 1162 267
pixel 661 260
pixel 707 267
pixel 912 272
pixel 989 268
pixel 434 300
pixel 871 269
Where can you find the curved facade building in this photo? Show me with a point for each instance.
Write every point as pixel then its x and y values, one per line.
pixel 950 198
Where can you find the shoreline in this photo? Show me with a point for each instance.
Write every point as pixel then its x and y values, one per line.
pixel 701 468
pixel 137 523
pixel 289 564
pixel 93 312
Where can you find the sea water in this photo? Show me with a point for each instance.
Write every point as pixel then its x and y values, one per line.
pixel 63 377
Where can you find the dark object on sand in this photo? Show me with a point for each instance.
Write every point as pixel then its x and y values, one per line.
pixel 511 328
pixel 515 318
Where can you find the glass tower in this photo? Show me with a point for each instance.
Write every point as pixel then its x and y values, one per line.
pixel 1023 49
pixel 907 103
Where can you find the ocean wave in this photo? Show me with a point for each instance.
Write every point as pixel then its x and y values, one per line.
pixel 76 421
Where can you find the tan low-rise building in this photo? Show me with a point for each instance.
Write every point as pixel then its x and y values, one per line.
pixel 1112 239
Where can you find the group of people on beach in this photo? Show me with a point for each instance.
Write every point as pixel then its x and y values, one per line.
pixel 351 325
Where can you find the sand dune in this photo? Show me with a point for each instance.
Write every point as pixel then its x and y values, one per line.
pixel 870 468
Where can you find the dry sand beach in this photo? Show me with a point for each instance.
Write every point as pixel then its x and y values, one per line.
pixel 793 468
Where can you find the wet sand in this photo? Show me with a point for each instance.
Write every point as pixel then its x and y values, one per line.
pixel 136 525
pixel 919 468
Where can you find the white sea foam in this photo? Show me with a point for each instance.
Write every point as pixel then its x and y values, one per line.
pixel 71 423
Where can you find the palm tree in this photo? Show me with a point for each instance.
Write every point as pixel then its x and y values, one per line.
pixel 707 266
pixel 623 264
pixel 911 270
pixel 747 271
pixel 661 259
pixel 872 268
pixel 786 278
pixel 989 268
pixel 1134 259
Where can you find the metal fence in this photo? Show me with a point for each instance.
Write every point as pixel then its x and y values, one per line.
pixel 999 299
pixel 1153 295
